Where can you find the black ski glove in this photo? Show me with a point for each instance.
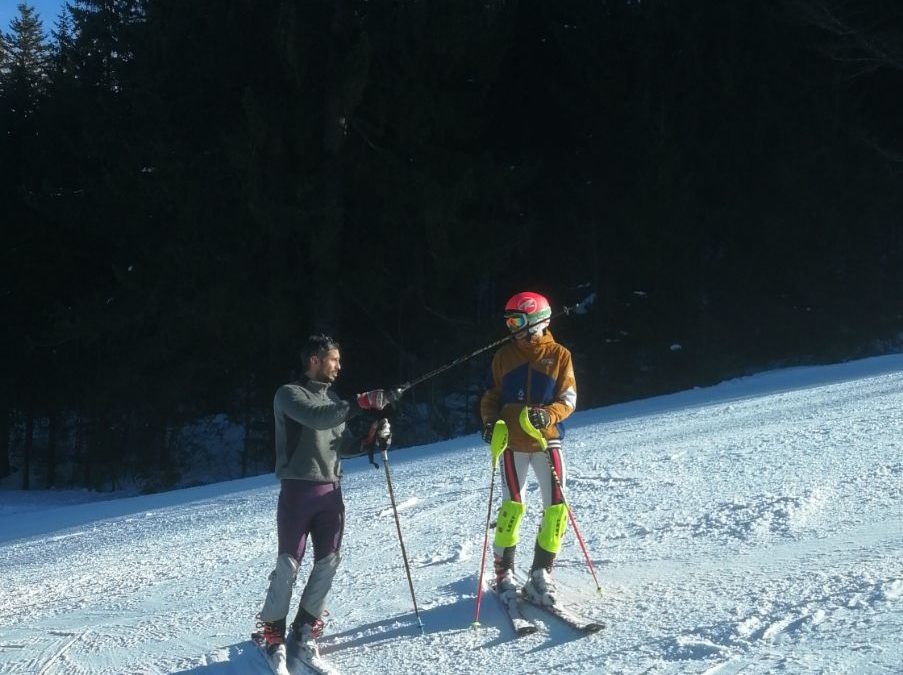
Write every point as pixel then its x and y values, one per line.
pixel 539 418
pixel 487 431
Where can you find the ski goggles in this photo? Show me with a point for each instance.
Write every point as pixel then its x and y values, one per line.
pixel 515 321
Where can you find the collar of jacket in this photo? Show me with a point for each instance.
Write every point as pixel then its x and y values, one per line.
pixel 315 385
pixel 535 347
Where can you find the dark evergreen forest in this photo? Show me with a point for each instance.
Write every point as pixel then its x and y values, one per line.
pixel 189 188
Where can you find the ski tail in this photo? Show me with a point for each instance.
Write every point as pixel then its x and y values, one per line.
pixel 510 602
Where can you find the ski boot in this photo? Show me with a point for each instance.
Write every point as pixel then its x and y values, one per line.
pixel 504 577
pixel 540 588
pixel 270 637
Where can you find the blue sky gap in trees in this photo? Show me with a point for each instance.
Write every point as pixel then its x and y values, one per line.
pixel 48 11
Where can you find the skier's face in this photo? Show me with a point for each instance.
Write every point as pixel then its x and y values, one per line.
pixel 326 367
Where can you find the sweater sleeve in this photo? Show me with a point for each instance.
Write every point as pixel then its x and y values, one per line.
pixel 353 438
pixel 297 405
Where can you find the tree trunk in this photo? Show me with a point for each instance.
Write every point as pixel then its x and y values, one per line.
pixel 53 424
pixel 5 464
pixel 28 449
pixel 246 419
pixel 79 450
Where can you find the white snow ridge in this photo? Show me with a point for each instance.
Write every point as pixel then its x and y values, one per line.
pixel 754 527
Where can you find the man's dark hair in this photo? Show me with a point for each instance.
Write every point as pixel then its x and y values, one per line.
pixel 317 345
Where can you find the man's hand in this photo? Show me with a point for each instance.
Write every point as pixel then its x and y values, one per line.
pixel 539 418
pixel 383 431
pixel 378 399
pixel 380 433
pixel 373 400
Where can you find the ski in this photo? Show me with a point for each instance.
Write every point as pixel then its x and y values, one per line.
pixel 563 611
pixel 304 661
pixel 511 604
pixel 568 615
pixel 295 660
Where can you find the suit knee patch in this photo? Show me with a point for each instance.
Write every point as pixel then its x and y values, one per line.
pixel 506 529
pixel 554 522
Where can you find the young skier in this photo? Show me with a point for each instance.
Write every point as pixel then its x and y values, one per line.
pixel 311 437
pixel 533 371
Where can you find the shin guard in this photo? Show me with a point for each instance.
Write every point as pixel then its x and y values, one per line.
pixel 554 522
pixel 506 529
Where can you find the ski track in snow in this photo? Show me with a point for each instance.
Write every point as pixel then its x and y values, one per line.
pixel 757 533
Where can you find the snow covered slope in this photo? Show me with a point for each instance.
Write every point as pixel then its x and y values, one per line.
pixel 756 526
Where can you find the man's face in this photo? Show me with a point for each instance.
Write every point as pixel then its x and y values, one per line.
pixel 326 368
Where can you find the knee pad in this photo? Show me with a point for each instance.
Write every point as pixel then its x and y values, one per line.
pixel 279 594
pixel 554 522
pixel 508 523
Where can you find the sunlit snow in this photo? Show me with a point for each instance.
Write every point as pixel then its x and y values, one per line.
pixel 752 527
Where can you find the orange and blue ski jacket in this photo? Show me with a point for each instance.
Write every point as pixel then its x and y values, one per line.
pixel 530 374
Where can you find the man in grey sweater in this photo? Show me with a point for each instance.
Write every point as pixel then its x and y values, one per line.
pixel 311 438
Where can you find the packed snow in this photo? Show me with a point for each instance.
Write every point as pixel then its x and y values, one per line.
pixel 755 527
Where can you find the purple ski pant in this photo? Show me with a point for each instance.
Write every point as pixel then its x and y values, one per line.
pixel 310 508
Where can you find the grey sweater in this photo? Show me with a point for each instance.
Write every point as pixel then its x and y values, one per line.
pixel 310 431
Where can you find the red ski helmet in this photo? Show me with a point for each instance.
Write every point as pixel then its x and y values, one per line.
pixel 527 308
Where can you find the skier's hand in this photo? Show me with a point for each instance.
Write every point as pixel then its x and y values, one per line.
pixel 487 431
pixel 539 418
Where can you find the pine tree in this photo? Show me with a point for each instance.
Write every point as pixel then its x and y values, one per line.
pixel 64 41
pixel 4 57
pixel 25 77
pixel 23 80
pixel 23 86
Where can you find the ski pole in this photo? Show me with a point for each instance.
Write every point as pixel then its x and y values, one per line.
pixel 537 434
pixel 580 308
pixel 497 447
pixel 384 446
pixel 476 617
